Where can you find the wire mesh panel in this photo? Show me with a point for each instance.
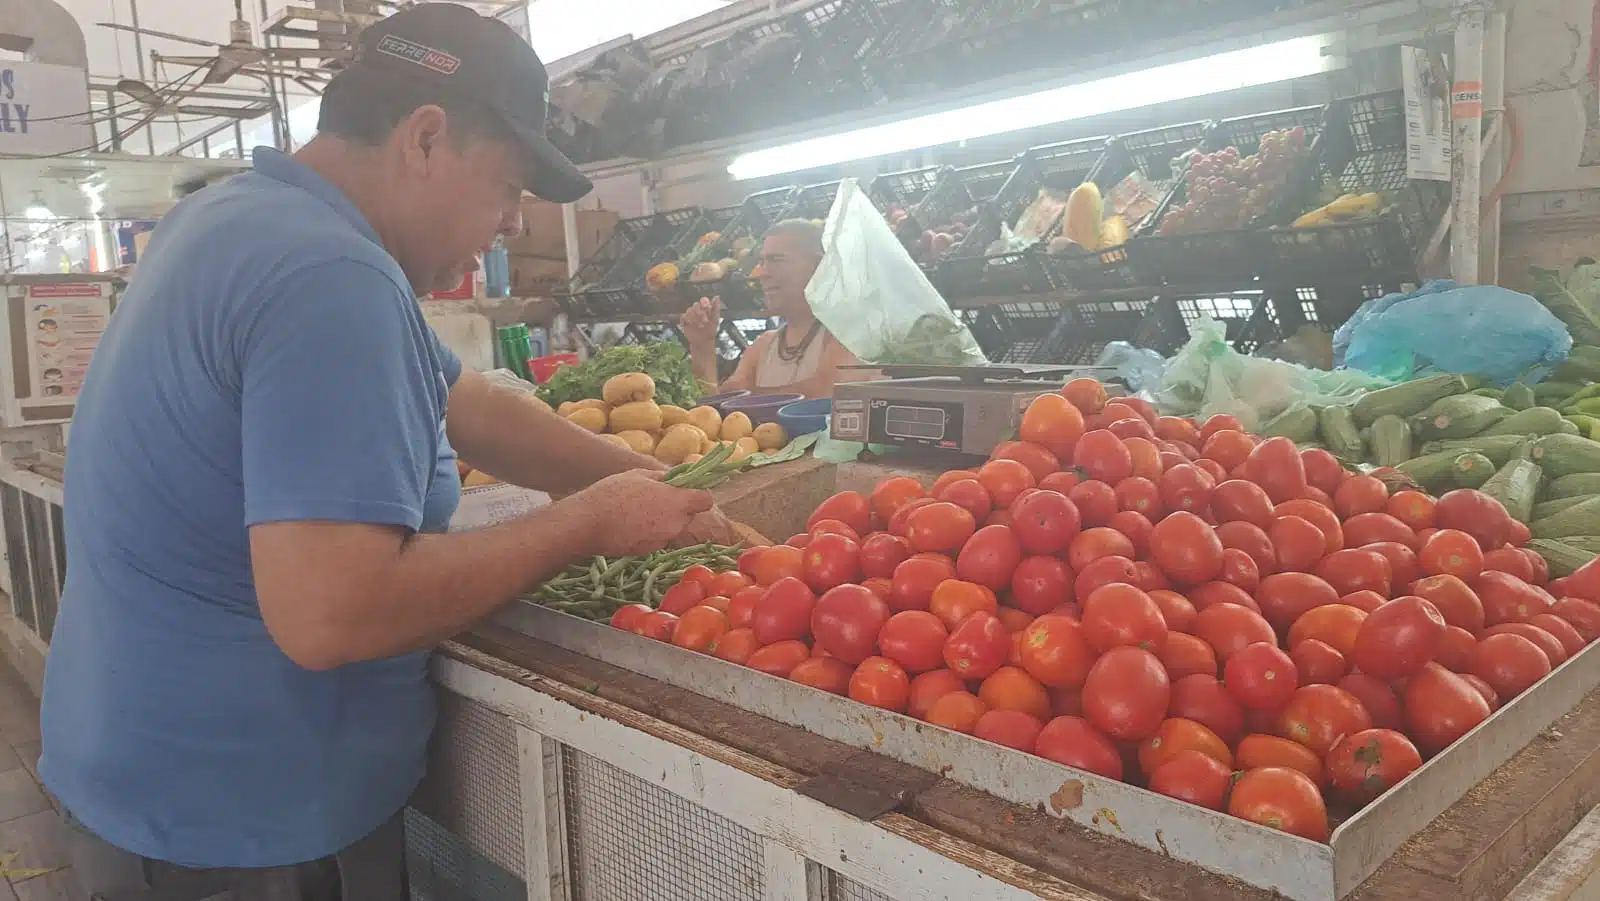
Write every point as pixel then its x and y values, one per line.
pixel 473 788
pixel 443 866
pixel 843 888
pixel 631 841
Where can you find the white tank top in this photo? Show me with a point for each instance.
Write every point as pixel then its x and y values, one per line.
pixel 772 371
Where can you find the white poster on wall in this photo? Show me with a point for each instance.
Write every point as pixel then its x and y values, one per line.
pixel 44 109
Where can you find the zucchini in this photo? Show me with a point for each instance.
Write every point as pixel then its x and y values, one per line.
pixel 1299 424
pixel 1407 399
pixel 1578 369
pixel 1587 543
pixel 1515 486
pixel 1472 470
pixel 1584 392
pixel 1430 470
pixel 1532 421
pixel 1575 485
pixel 1391 441
pixel 1518 396
pixel 1544 392
pixel 1494 393
pixel 1461 416
pixel 1564 455
pixel 1498 448
pixel 1578 519
pixel 1564 559
pixel 1339 433
pixel 1546 509
pixel 1571 427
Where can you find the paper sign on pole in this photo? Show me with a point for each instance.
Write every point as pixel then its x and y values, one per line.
pixel 44 109
pixel 1427 117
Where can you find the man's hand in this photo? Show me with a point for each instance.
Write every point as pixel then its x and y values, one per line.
pixel 715 527
pixel 635 513
pixel 701 322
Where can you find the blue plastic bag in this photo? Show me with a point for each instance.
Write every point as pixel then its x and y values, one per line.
pixel 1482 330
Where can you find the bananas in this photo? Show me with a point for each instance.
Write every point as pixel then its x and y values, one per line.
pixel 1348 208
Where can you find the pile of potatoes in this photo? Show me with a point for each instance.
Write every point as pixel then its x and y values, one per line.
pixel 627 414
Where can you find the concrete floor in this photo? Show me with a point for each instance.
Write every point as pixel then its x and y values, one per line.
pixel 33 854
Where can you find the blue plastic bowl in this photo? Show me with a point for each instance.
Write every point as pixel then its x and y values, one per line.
pixel 806 416
pixel 719 402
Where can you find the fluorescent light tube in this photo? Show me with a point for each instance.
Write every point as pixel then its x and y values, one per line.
pixel 1295 58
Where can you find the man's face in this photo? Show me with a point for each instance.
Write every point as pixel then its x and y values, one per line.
pixel 786 268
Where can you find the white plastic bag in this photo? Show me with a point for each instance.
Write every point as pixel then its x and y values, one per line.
pixel 872 296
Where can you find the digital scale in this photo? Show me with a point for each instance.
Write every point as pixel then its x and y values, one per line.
pixel 965 409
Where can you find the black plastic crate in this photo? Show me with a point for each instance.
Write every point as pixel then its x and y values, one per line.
pixel 839 35
pixel 1017 332
pixel 1090 325
pixel 815 201
pixel 771 206
pixel 904 189
pixel 897 64
pixel 606 304
pixel 636 244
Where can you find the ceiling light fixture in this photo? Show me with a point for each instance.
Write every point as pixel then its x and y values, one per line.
pixel 36 210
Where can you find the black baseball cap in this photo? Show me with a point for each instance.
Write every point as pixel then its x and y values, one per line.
pixel 479 59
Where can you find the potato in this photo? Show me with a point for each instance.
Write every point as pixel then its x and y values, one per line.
pixel 678 443
pixel 736 426
pixel 770 436
pixel 742 448
pixel 707 445
pixel 629 387
pixel 671 416
pixel 643 416
pixel 639 442
pixel 694 458
pixel 588 418
pixel 708 420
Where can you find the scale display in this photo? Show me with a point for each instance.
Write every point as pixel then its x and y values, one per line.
pixel 926 424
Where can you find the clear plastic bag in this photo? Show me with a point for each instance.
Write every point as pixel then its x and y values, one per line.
pixel 872 296
pixel 1140 367
pixel 1481 330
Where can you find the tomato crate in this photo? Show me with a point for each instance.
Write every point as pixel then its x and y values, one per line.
pixel 1362 151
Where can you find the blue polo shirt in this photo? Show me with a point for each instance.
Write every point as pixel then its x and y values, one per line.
pixel 268 362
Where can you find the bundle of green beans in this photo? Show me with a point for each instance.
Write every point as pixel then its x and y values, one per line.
pixel 707 472
pixel 595 590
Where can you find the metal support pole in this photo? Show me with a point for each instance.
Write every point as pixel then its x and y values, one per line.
pixel 1466 114
pixel 569 228
pixel 1499 151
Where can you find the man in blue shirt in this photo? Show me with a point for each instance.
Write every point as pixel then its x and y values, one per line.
pixel 261 474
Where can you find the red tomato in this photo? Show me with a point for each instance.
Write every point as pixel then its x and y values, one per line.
pixel 779 659
pixel 1261 676
pixel 1186 655
pixel 1286 597
pixel 1297 543
pixel 1054 650
pixel 1131 429
pixel 779 562
pixel 1457 603
pixel 1561 630
pixel 889 495
pixel 947 477
pixel 1317 716
pixel 1475 513
pixel 1403 563
pixel 784 612
pixel 1399 638
pixel 1251 539
pixel 1518 534
pixel 1118 615
pixel 958 711
pixel 1011 688
pixel 942 527
pixel 1186 487
pixel 1193 777
pixel 1275 465
pixel 1483 689
pixel 1583 615
pixel 1441 707
pixel 1104 571
pixel 846 620
pixel 1205 700
pixel 990 557
pixel 1229 628
pixel 897 523
pixel 1088 395
pixel 1319 515
pixel 1038 458
pixel 1372 528
pixel 1041 584
pixel 1052 421
pixel 834 527
pixel 881 682
pixel 969 495
pixel 831 559
pixel 824 674
pixel 1323 470
pixel 1259 750
pixel 1139 495
pixel 1220 422
pixel 881 553
pixel 1365 764
pixel 1510 663
pixel 954 600
pixel 1213 593
pixel 1229 448
pixel 736 646
pixel 1358 495
pixel 1186 549
pixel 1378 699
pixel 628 616
pixel 1282 799
pixel 1126 694
pixel 1510 560
pixel 1455 650
pixel 1176 735
pixel 1136 527
pixel 1413 508
pixel 1240 501
pixel 700 628
pixel 699 574
pixel 682 597
pixel 928 688
pixel 1102 456
pixel 1317 663
pixel 1508 599
pixel 1009 728
pixel 1176 610
pixel 1059 482
pixel 915 579
pixel 848 507
pixel 1335 625
pixel 1072 741
pixel 1356 569
pixel 1239 568
pixel 1045 522
pixel 1005 479
pixel 1451 552
pixel 978 646
pixel 1553 649
pixel 1092 544
pixel 1541 569
pixel 1096 502
pixel 914 639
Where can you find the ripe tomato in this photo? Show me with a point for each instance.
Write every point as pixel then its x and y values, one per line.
pixel 1139 495
pixel 1105 571
pixel 1193 777
pixel 1510 663
pixel 1455 650
pixel 1052 421
pixel 1251 539
pixel 848 507
pixel 736 646
pixel 1005 479
pixel 881 553
pixel 1441 707
pixel 683 597
pixel 958 711
pixel 1041 584
pixel 1403 564
pixel 1455 601
pixel 1319 515
pixel 1261 676
pixel 880 682
pixel 1176 610
pixel 1287 596
pixel 1413 508
pixel 1213 593
pixel 1541 569
pixel 1317 716
pixel 1177 735
pixel 911 587
pixel 1508 599
pixel 1297 543
pixel 1318 663
pixel 1092 544
pixel 1132 429
pixel 1281 799
pixel 824 674
pixel 699 629
pixel 1358 495
pixel 778 562
pixel 1511 560
pixel 1475 513
pixel 969 495
pixel 1186 487
pixel 1187 549
pixel 1102 456
pixel 954 600
pixel 1014 620
pixel 1072 741
pixel 831 559
pixel 1258 751
pixel 1009 728
pixel 727 584
pixel 784 612
pixel 1229 628
pixel 929 688
pixel 627 617
pixel 1452 552
pixel 897 523
pixel 1377 697
pixel 1356 569
pixel 1040 460
pixel 846 620
pixel 1561 630
pixel 1237 500
pixel 1323 470
pixel 1553 649
pixel 978 646
pixel 948 476
pixel 1088 395
pixel 1372 528
pixel 1229 447
pixel 1011 688
pixel 1335 625
pixel 1096 502
pixel 1275 465
pixel 1053 650
pixel 1220 422
pixel 1239 568
pixel 1483 689
pixel 832 527
pixel 889 495
pixel 1583 615
pixel 1205 700
pixel 1365 601
pixel 779 659
pixel 1399 638
pixel 914 639
pixel 942 527
pixel 1185 655
pixel 990 557
pixel 1364 765
pixel 1119 615
pixel 1045 522
pixel 1126 694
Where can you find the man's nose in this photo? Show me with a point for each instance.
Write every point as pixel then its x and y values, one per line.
pixel 511 223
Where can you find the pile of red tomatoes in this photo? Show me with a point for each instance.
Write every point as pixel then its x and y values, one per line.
pixel 1223 619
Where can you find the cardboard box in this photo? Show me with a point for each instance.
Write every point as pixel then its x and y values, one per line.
pixel 543 236
pixel 533 276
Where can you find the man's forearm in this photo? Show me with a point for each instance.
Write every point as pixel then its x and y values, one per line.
pixel 704 362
